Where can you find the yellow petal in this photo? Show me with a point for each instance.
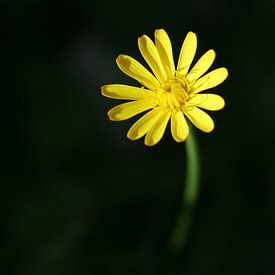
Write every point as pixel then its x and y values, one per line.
pixel 151 55
pixel 187 53
pixel 118 91
pixel 203 64
pixel 134 69
pixel 208 101
pixel 164 47
pixel 144 124
pixel 156 132
pixel 200 119
pixel 130 109
pixel 210 80
pixel 179 126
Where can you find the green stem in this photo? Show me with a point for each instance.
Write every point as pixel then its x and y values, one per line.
pixel 189 196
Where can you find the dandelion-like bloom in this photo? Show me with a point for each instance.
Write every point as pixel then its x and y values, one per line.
pixel 169 93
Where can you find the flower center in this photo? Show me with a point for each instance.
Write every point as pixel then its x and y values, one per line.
pixel 174 94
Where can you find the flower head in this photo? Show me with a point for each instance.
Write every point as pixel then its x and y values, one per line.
pixel 170 92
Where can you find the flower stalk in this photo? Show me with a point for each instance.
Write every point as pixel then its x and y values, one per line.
pixel 189 198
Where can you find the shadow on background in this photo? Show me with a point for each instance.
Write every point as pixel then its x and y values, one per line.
pixel 77 196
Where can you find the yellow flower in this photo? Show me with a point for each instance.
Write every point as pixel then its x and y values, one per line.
pixel 170 93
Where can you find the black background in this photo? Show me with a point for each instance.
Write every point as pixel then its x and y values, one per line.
pixel 77 196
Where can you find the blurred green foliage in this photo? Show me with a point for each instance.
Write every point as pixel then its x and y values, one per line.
pixel 77 196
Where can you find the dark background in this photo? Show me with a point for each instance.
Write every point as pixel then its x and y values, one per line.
pixel 77 196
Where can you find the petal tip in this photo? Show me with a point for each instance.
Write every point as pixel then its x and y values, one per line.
pixel 226 72
pixel 161 30
pixel 149 143
pixel 110 116
pixel 103 90
pixel 144 37
pixel 191 33
pixel 212 52
pixel 121 58
pixel 222 103
pixel 210 129
pixel 131 136
pixel 180 140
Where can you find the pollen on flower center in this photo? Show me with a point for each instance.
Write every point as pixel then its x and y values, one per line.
pixel 174 93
